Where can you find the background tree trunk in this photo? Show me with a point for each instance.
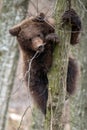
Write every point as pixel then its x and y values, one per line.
pixel 79 101
pixel 84 72
pixel 83 47
pixel 12 13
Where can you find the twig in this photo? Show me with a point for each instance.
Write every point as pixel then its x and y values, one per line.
pixel 23 117
pixel 37 7
pixel 81 3
pixel 69 4
pixel 28 72
pixel 33 5
pixel 51 126
pixel 29 68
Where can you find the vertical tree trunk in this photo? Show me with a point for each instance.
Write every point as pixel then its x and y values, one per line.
pixel 83 47
pixel 58 74
pixel 12 13
pixel 79 102
pixel 0 6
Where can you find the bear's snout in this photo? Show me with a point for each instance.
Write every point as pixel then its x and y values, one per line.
pixel 38 44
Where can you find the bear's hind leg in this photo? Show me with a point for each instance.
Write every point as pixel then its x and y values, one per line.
pixel 72 75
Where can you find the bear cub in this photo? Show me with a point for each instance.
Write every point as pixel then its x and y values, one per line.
pixel 37 38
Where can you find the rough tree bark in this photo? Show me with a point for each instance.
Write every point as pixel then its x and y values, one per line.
pixel 84 72
pixel 79 102
pixel 12 12
pixel 57 75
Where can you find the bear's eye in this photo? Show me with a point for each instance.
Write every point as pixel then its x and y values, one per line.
pixel 40 35
pixel 29 39
pixel 44 34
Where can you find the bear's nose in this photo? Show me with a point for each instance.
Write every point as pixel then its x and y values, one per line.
pixel 40 48
pixel 38 44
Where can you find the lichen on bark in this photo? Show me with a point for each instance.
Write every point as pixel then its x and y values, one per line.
pixel 58 73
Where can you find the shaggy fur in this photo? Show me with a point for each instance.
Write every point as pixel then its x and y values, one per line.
pixel 72 18
pixel 72 75
pixel 34 35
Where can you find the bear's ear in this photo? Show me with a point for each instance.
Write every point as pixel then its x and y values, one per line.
pixel 14 31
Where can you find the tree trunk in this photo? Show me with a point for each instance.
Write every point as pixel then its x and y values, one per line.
pixel 83 47
pixel 0 6
pixel 58 74
pixel 12 13
pixel 79 102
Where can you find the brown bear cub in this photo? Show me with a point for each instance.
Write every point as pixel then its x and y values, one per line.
pixel 71 17
pixel 36 36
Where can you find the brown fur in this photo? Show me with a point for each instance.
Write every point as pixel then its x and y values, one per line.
pixel 72 75
pixel 37 34
pixel 72 18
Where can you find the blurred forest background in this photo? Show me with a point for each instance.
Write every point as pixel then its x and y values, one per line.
pixel 13 92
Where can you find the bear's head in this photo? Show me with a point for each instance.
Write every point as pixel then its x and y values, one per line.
pixel 31 32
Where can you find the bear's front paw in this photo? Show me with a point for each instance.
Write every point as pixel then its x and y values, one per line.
pixel 71 17
pixel 52 38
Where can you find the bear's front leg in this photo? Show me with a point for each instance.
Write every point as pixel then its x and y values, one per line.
pixel 71 17
pixel 52 38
